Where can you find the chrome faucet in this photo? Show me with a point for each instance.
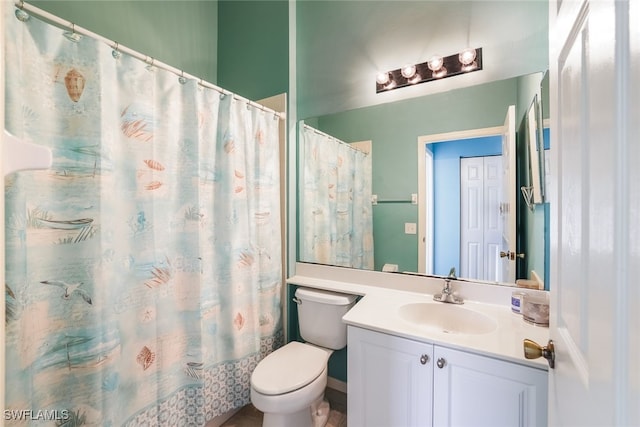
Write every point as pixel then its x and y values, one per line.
pixel 447 294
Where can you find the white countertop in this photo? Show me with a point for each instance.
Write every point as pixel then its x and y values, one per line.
pixel 378 310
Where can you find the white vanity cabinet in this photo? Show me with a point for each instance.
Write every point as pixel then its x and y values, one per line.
pixel 390 380
pixel 400 382
pixel 473 390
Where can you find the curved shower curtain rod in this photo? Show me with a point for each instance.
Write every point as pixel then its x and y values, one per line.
pixel 326 135
pixel 68 25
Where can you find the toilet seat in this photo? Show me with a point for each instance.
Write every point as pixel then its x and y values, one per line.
pixel 289 368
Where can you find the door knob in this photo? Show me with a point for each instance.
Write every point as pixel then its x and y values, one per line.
pixel 441 362
pixel 424 359
pixel 533 350
pixel 511 255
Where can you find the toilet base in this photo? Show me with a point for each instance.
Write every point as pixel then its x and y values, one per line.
pixel 302 418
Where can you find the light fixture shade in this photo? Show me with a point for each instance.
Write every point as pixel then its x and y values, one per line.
pixel 383 78
pixel 469 67
pixel 467 56
pixel 415 79
pixel 440 73
pixel 408 71
pixel 435 63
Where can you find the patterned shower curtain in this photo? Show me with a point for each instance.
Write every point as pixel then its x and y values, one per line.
pixel 144 268
pixel 337 221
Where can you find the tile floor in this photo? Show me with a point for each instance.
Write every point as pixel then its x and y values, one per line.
pixel 249 416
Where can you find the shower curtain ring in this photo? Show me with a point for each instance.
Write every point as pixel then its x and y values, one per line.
pixel 149 67
pixel 181 79
pixel 21 15
pixel 115 52
pixel 72 36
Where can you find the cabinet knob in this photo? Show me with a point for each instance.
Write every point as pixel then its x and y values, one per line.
pixel 424 359
pixel 441 362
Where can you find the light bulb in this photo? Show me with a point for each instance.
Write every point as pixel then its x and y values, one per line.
pixel 435 63
pixel 408 71
pixel 467 56
pixel 383 78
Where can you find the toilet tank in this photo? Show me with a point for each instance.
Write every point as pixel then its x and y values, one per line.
pixel 320 317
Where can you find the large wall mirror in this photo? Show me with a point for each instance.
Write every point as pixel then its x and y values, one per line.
pixel 398 135
pixel 340 46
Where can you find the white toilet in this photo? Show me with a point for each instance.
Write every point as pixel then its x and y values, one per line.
pixel 289 382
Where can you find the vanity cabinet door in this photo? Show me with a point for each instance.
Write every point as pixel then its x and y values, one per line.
pixel 390 380
pixel 473 390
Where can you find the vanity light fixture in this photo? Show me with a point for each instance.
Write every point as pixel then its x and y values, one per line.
pixel 437 67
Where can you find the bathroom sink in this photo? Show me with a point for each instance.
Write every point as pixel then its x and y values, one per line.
pixel 448 318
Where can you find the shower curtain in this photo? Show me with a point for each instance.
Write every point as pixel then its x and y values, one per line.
pixel 144 268
pixel 337 221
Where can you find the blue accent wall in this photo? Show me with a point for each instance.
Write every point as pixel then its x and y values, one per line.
pixel 446 171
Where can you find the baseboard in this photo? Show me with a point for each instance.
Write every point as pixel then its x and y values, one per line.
pixel 337 384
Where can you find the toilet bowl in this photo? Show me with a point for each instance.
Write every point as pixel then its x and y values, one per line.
pixel 289 382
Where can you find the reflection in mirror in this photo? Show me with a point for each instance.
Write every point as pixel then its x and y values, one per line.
pixel 335 201
pixel 465 205
pixel 394 128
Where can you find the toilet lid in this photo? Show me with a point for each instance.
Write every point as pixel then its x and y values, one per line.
pixel 289 368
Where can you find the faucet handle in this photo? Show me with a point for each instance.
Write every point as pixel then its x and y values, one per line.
pixel 452 273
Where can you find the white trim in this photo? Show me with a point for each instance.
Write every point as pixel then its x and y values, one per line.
pixel 460 134
pixel 425 210
pixel 425 191
pixel 534 155
pixel 335 384
pixel 292 156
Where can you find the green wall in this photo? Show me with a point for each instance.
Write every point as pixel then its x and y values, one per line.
pixel 253 47
pixel 182 34
pixel 394 129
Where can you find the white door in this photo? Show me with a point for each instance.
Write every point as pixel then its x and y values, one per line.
pixel 508 206
pixel 595 212
pixel 472 217
pixel 480 224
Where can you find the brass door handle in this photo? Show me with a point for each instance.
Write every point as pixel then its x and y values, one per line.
pixel 511 255
pixel 533 350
